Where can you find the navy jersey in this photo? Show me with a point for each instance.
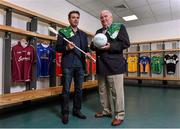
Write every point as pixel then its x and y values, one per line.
pixel 144 62
pixel 44 60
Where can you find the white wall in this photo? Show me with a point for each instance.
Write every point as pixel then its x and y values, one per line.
pixel 163 30
pixel 1 50
pixel 59 9
pixel 1 61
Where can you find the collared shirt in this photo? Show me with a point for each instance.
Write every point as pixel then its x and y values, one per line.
pixel 104 30
pixel 77 54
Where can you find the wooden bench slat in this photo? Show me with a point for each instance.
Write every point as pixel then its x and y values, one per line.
pixel 12 98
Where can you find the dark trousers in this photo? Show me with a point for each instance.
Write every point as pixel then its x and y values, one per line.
pixel 67 74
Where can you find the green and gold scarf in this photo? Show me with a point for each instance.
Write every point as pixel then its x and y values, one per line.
pixel 113 30
pixel 68 32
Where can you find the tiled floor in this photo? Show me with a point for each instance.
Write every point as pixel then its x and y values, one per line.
pixel 145 107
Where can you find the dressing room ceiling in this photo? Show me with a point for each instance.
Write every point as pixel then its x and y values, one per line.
pixel 147 11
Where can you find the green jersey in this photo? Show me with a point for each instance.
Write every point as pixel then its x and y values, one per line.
pixel 156 64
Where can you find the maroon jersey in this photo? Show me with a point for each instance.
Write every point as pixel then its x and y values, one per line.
pixel 22 60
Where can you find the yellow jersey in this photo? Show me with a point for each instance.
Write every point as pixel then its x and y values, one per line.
pixel 132 63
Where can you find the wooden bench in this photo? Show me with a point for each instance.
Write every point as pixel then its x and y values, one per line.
pixel 13 98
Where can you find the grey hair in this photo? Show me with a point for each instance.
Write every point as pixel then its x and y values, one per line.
pixel 107 11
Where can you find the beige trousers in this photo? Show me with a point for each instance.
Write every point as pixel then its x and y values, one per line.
pixel 111 92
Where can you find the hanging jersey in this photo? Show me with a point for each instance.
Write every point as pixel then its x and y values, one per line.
pixel 93 64
pixel 22 60
pixel 156 64
pixel 87 71
pixel 58 64
pixel 144 63
pixel 44 60
pixel 171 61
pixel 132 63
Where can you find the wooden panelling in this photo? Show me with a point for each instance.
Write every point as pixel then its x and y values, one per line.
pixel 28 13
pixel 153 78
pixel 27 33
pixel 155 41
pixel 153 51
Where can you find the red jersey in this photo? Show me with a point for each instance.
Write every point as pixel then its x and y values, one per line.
pixel 58 64
pixel 22 60
pixel 87 66
pixel 93 64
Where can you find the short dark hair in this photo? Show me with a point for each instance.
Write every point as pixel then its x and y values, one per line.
pixel 69 15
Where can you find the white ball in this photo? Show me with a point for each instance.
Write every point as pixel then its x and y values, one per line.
pixel 100 40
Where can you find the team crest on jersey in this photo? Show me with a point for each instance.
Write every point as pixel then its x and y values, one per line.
pixel 28 53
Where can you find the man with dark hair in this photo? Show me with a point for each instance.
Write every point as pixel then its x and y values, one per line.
pixel 73 62
pixel 110 66
pixel 69 15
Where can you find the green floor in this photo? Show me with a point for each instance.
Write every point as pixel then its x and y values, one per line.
pixel 145 107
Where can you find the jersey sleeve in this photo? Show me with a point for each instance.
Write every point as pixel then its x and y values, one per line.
pixel 165 58
pixel 177 60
